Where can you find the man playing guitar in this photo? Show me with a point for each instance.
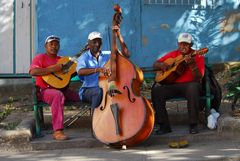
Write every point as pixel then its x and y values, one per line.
pixel 45 64
pixel 186 84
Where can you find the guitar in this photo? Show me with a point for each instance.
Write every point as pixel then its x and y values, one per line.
pixel 62 78
pixel 165 77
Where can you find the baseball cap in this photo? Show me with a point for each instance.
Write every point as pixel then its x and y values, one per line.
pixel 94 35
pixel 51 38
pixel 185 37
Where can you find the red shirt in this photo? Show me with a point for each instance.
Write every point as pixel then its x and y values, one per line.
pixel 42 61
pixel 187 75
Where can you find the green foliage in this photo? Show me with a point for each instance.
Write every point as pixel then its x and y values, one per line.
pixel 233 85
pixel 11 126
pixel 7 109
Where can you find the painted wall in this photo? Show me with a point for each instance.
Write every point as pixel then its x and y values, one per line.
pixel 15 37
pixel 73 20
pixel 208 23
pixel 150 30
pixel 6 36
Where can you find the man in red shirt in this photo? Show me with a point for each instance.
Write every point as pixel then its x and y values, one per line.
pixel 44 64
pixel 187 84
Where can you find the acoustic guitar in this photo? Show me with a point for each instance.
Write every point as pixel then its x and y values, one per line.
pixel 169 75
pixel 62 78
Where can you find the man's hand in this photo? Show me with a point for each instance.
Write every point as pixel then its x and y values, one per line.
pixel 190 61
pixel 105 71
pixel 55 68
pixel 116 28
pixel 161 65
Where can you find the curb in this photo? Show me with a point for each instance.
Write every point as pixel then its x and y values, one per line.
pixel 18 139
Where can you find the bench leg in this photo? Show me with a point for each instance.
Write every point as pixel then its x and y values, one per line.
pixel 208 107
pixel 41 117
pixel 208 96
pixel 37 120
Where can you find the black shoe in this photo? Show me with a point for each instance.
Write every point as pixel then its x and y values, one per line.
pixel 161 131
pixel 193 129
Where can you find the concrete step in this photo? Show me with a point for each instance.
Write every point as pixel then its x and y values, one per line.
pixel 83 138
pixel 181 132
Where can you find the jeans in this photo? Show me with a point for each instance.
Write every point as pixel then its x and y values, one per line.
pixel 93 95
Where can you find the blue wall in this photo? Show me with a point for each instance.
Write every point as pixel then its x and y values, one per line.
pixel 149 30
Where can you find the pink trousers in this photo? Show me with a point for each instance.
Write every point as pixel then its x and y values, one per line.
pixel 56 98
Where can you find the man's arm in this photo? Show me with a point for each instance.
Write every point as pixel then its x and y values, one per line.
pixel 124 48
pixel 195 71
pixel 160 65
pixel 89 71
pixel 45 71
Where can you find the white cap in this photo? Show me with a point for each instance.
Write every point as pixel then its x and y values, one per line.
pixel 185 37
pixel 51 38
pixel 94 35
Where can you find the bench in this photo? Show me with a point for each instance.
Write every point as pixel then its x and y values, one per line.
pixel 38 109
pixel 207 97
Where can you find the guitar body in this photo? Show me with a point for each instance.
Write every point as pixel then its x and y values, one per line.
pixel 177 67
pixel 165 76
pixel 135 119
pixel 61 79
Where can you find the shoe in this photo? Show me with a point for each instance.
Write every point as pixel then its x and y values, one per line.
pixel 161 131
pixel 193 129
pixel 59 135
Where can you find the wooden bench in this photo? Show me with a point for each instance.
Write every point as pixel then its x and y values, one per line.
pixel 84 109
pixel 207 97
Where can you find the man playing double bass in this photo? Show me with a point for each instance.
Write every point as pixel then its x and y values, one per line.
pixel 186 84
pixel 91 64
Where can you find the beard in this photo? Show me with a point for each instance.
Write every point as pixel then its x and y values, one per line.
pixel 95 49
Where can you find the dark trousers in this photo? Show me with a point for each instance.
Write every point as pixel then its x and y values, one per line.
pixel 93 95
pixel 190 91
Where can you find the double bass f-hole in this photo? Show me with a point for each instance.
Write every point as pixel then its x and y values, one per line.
pixel 129 96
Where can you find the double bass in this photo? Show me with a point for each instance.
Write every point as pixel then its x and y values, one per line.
pixel 125 117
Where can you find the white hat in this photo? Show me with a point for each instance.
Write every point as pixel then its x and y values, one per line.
pixel 94 35
pixel 185 37
pixel 51 38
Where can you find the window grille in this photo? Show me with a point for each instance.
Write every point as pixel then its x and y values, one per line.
pixel 194 3
pixel 173 2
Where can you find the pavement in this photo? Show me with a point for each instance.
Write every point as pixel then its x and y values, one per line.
pixel 221 144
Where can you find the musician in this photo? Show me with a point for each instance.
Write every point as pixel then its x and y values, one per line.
pixel 186 85
pixel 91 63
pixel 44 64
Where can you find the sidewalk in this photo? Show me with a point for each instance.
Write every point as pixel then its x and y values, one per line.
pixel 216 150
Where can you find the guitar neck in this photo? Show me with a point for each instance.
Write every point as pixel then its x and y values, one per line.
pixel 85 48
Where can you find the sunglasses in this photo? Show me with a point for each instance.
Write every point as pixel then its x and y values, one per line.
pixel 51 38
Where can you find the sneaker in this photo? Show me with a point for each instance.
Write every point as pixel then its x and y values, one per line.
pixel 59 135
pixel 193 129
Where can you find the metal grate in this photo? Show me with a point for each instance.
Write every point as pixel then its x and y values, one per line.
pixel 173 2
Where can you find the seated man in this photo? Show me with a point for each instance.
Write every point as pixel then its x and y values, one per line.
pixel 186 84
pixel 44 64
pixel 92 62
